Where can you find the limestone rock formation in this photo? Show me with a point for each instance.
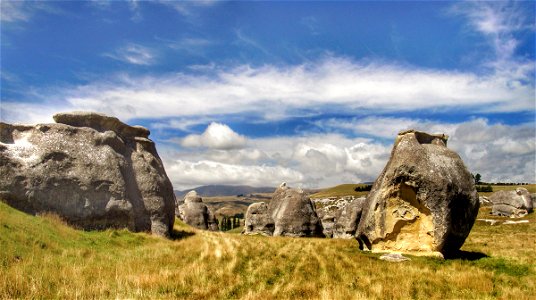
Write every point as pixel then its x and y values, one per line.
pixel 348 218
pixel 258 220
pixel 195 213
pixel 339 216
pixel 423 202
pixel 293 213
pixel 514 204
pixel 290 211
pixel 91 169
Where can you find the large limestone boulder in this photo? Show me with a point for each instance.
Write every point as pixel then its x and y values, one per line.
pixel 93 170
pixel 290 211
pixel 195 213
pixel 514 204
pixel 258 220
pixel 424 201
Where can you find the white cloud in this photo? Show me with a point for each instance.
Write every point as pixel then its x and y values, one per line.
pixel 134 54
pixel 216 136
pixel 329 85
pixel 20 11
pixel 188 174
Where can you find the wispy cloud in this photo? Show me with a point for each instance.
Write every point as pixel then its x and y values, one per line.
pixel 499 22
pixel 188 8
pixel 134 54
pixel 329 85
pixel 12 12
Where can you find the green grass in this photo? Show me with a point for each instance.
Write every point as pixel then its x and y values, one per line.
pixel 340 190
pixel 530 187
pixel 40 257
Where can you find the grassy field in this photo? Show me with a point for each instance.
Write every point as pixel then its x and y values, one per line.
pixel 340 190
pixel 40 257
pixel 530 187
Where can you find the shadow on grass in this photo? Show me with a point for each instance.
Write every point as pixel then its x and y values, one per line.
pixel 466 255
pixel 179 234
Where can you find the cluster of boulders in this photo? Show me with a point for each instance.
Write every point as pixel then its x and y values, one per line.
pixel 196 213
pixel 289 213
pixel 97 172
pixel 93 170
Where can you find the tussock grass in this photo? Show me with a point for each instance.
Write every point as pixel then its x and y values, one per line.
pixel 42 258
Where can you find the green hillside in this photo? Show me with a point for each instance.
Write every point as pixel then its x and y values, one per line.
pixel 340 190
pixel 40 257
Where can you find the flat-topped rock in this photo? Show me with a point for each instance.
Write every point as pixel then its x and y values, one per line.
pixel 93 170
pixel 100 122
pixel 514 204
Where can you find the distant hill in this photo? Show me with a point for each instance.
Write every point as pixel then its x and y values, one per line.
pixel 341 190
pixel 225 190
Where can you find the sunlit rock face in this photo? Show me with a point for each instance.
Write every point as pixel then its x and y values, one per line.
pixel 339 216
pixel 514 204
pixel 93 170
pixel 424 201
pixel 196 213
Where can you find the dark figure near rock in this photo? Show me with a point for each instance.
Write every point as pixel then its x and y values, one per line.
pixel 424 201
pixel 290 211
pixel 196 213
pixel 93 170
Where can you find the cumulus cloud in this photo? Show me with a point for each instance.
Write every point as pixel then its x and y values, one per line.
pixel 216 136
pixel 188 174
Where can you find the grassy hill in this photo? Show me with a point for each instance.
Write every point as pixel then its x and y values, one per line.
pixel 340 190
pixel 40 257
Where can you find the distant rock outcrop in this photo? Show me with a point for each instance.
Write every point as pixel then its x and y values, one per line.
pixel 514 204
pixel 291 212
pixel 93 170
pixel 423 202
pixel 195 213
pixel 339 216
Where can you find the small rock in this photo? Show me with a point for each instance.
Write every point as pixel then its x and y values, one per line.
pixel 394 257
pixel 490 221
pixel 515 222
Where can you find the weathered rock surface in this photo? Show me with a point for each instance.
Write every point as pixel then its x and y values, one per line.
pixel 195 213
pixel 290 211
pixel 91 169
pixel 423 202
pixel 514 204
pixel 339 216
pixel 258 220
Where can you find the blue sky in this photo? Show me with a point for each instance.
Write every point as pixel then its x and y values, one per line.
pixel 312 93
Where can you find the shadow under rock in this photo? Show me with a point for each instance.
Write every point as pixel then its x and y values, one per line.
pixel 179 234
pixel 466 255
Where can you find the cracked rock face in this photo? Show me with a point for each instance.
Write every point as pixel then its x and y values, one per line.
pixel 514 204
pixel 290 213
pixel 196 213
pixel 93 170
pixel 424 201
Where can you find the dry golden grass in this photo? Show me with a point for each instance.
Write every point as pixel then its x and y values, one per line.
pixel 42 258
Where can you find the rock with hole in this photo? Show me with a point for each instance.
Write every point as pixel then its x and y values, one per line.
pixel 93 170
pixel 424 202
